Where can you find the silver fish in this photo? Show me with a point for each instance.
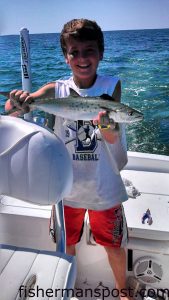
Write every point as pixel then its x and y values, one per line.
pixel 75 107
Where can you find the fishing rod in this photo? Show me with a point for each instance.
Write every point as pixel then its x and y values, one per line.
pixel 26 65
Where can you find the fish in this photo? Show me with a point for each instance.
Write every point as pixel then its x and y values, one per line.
pixel 74 107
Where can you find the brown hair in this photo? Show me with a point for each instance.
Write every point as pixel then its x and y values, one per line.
pixel 82 30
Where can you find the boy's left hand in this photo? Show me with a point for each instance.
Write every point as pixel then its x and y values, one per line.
pixel 107 127
pixel 103 121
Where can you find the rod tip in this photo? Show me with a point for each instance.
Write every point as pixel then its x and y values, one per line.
pixel 24 29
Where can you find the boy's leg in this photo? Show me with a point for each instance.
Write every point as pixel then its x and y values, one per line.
pixel 74 221
pixel 117 261
pixel 110 230
pixel 71 250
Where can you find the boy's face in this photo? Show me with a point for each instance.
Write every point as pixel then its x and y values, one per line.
pixel 83 58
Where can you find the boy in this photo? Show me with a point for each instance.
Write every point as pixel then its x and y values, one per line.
pixel 97 188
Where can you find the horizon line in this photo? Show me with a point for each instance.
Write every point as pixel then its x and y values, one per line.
pixel 107 30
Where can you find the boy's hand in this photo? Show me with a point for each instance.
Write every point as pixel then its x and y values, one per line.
pixel 103 121
pixel 20 100
pixel 107 127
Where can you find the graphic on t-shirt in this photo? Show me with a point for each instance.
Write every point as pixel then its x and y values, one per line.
pixel 85 138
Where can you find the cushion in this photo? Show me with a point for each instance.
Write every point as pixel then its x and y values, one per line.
pixel 47 273
pixel 34 163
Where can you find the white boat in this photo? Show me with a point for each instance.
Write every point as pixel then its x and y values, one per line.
pixel 26 225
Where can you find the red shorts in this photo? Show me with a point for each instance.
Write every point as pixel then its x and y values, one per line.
pixel 108 226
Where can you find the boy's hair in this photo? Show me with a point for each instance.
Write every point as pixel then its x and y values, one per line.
pixel 82 30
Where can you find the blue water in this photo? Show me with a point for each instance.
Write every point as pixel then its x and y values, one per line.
pixel 139 57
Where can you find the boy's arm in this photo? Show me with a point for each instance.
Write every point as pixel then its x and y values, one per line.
pixel 21 99
pixel 111 136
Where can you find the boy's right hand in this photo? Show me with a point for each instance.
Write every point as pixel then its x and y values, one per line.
pixel 20 100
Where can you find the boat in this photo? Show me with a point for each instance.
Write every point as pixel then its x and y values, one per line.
pixel 33 265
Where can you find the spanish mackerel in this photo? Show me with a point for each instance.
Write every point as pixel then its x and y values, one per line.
pixel 75 107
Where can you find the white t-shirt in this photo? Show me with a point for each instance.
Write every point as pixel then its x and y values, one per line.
pixel 96 184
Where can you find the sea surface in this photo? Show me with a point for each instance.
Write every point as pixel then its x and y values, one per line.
pixel 140 58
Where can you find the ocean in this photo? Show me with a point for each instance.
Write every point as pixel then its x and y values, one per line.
pixel 140 58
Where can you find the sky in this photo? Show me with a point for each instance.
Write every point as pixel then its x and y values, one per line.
pixel 47 16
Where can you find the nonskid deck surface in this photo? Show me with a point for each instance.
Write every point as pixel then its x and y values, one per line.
pixel 94 291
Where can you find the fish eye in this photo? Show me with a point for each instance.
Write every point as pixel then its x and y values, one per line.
pixel 130 113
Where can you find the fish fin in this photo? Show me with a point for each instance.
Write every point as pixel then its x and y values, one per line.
pixel 73 93
pixel 5 94
pixel 108 109
pixel 107 97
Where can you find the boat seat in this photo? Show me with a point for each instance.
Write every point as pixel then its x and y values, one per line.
pixel 34 167
pixel 47 273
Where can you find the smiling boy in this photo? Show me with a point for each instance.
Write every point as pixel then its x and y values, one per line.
pixel 97 187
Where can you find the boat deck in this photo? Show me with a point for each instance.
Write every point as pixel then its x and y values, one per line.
pixel 93 291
